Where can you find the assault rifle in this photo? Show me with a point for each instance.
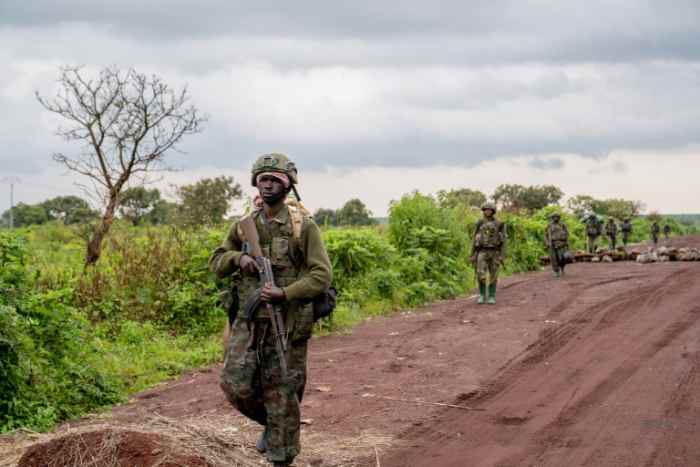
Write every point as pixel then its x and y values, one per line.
pixel 250 233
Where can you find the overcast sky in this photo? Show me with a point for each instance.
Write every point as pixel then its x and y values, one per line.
pixel 373 101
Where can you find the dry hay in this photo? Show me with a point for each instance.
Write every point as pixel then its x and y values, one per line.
pixel 216 441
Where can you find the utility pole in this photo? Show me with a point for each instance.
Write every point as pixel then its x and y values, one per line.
pixel 11 181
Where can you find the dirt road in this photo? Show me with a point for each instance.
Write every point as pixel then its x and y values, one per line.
pixel 599 368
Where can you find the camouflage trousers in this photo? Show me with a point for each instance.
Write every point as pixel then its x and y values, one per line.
pixel 487 264
pixel 612 242
pixel 556 257
pixel 591 243
pixel 253 383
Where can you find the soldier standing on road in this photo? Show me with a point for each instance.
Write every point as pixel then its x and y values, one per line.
pixel 626 228
pixel 252 378
pixel 667 231
pixel 488 252
pixel 593 231
pixel 655 233
pixel 557 239
pixel 611 232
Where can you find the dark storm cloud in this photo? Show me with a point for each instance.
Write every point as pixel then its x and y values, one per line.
pixel 484 31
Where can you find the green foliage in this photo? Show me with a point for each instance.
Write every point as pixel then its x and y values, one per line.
pixel 515 198
pixel 325 217
pixel 354 212
pixel 613 207
pixel 69 209
pixel 464 196
pixel 138 203
pixel 25 214
pixel 207 201
pixel 48 361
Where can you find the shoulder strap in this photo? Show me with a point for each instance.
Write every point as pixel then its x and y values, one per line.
pixel 239 231
pixel 297 218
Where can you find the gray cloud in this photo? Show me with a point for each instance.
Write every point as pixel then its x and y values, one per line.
pixel 364 84
pixel 553 163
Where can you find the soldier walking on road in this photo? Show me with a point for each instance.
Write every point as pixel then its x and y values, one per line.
pixel 593 231
pixel 557 239
pixel 626 228
pixel 655 233
pixel 253 377
pixel 488 252
pixel 611 232
pixel 667 231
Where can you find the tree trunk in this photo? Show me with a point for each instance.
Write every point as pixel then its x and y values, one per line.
pixel 94 246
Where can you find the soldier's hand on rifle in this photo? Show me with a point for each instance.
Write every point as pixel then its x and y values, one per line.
pixel 272 294
pixel 472 259
pixel 248 264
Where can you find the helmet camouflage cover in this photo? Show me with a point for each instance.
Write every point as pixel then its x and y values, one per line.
pixel 488 205
pixel 274 162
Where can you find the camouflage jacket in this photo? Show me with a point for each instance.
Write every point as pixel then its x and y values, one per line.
pixel 301 265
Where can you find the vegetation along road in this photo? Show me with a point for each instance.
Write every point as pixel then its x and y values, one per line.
pixel 599 368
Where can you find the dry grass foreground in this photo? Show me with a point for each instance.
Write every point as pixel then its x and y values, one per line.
pixel 213 441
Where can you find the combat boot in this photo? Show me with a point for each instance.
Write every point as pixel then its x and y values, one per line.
pixel 261 445
pixel 492 294
pixel 482 293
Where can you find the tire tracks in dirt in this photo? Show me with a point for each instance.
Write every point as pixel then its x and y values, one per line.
pixel 549 405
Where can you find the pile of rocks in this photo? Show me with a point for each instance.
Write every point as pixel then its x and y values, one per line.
pixel 660 255
pixel 663 254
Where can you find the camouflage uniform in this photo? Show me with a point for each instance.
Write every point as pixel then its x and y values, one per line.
pixel 557 239
pixel 251 378
pixel 611 232
pixel 592 232
pixel 626 228
pixel 667 231
pixel 488 251
pixel 655 233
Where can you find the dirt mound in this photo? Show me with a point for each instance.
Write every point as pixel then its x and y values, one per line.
pixel 109 448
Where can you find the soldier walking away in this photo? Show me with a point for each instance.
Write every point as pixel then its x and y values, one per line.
pixel 655 233
pixel 611 232
pixel 626 228
pixel 557 239
pixel 593 231
pixel 667 231
pixel 488 252
pixel 264 370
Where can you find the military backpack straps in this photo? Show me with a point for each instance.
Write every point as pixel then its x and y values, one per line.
pixel 325 302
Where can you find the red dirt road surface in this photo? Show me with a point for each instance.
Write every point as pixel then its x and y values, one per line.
pixel 600 368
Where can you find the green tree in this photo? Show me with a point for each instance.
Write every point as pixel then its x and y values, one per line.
pixel 207 201
pixel 26 214
pixel 463 196
pixel 324 216
pixel 515 198
pixel 163 212
pixel 612 207
pixel 69 209
pixel 354 212
pixel 138 202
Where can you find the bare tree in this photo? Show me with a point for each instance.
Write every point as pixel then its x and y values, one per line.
pixel 126 122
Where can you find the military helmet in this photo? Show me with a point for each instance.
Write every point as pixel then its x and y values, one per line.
pixel 274 162
pixel 489 205
pixel 555 215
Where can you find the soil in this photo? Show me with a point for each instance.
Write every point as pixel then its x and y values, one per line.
pixel 598 368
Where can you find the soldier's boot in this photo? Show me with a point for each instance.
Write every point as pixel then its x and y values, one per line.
pixel 492 294
pixel 557 273
pixel 261 445
pixel 482 293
